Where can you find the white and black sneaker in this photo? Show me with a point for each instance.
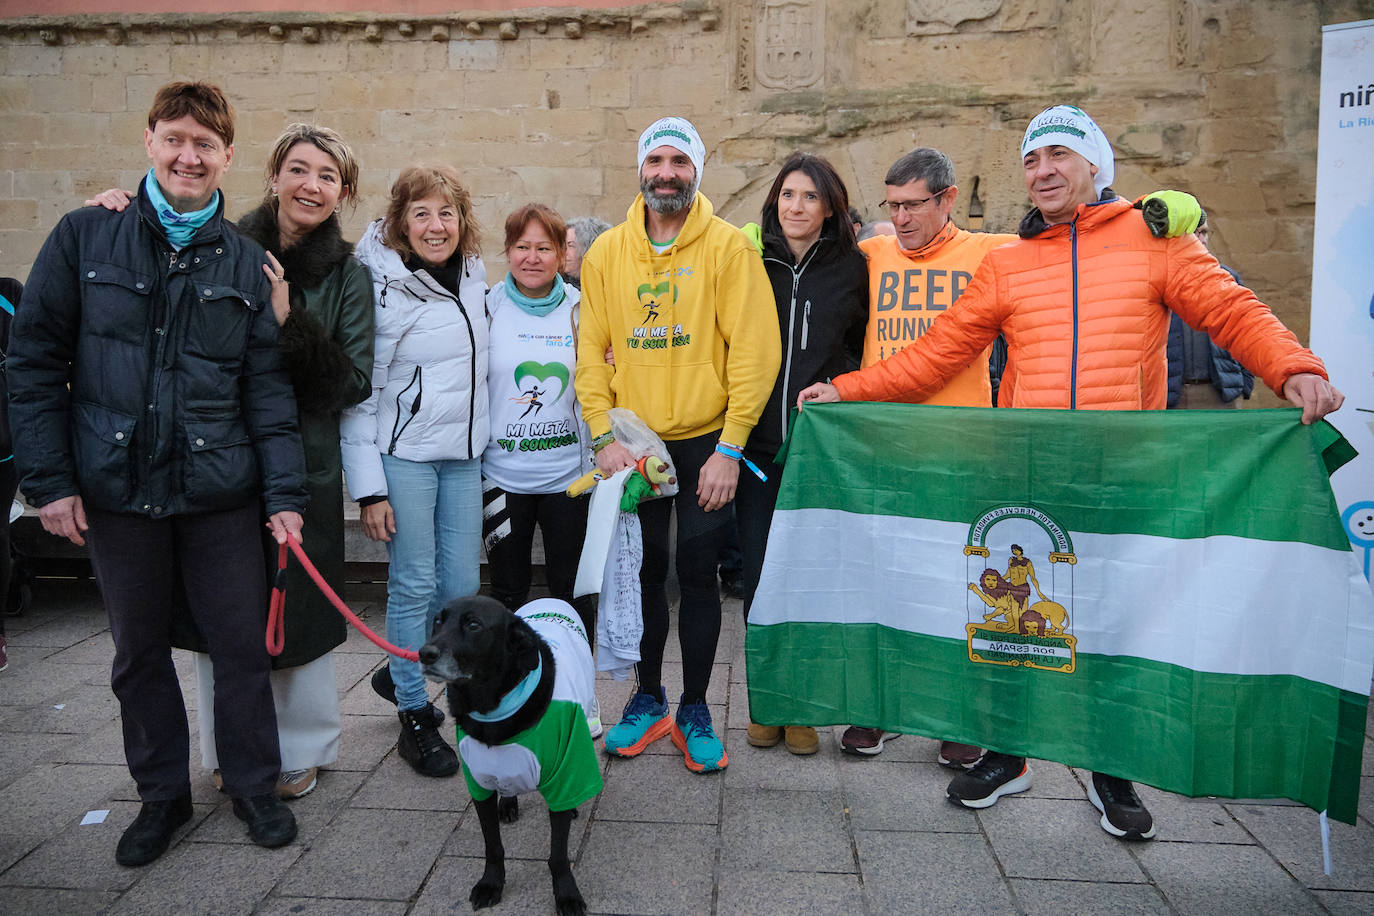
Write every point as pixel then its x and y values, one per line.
pixel 1123 815
pixel 996 775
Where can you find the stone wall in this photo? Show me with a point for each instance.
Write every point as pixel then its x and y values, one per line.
pixel 1215 96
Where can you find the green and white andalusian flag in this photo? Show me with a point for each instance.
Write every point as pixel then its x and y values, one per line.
pixel 1168 597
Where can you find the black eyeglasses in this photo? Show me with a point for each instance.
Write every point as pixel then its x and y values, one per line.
pixel 909 207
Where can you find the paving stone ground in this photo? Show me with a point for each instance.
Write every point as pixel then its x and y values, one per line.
pixel 774 833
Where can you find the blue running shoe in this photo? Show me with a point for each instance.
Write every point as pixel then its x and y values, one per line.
pixel 702 751
pixel 644 721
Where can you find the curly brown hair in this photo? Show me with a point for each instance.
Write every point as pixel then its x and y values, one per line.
pixel 417 182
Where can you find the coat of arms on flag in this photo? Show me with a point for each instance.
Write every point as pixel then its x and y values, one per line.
pixel 1169 597
pixel 1016 626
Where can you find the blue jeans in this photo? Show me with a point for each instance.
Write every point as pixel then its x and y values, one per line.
pixel 435 555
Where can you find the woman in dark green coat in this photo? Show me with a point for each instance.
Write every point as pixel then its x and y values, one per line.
pixel 325 321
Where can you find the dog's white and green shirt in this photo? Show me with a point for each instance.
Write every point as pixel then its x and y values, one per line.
pixel 555 756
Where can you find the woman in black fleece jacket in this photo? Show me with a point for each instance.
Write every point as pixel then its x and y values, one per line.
pixel 820 286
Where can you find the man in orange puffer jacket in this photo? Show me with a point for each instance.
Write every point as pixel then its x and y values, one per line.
pixel 1080 297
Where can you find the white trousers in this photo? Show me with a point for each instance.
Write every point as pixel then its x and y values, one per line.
pixel 308 717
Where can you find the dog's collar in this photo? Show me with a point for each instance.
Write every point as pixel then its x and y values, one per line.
pixel 512 702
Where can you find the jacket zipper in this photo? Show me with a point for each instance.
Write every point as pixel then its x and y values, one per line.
pixel 397 427
pixel 1073 364
pixel 472 349
pixel 797 272
pixel 154 420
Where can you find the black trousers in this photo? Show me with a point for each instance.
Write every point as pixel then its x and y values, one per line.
pixel 754 503
pixel 700 535
pixel 563 522
pixel 219 556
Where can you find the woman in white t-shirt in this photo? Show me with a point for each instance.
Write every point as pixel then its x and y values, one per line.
pixel 538 442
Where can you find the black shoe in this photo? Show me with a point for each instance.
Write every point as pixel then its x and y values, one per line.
pixel 270 822
pixel 995 776
pixel 731 584
pixel 1123 815
pixel 385 687
pixel 151 832
pixel 421 746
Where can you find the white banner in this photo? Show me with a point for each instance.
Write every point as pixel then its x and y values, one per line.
pixel 1343 262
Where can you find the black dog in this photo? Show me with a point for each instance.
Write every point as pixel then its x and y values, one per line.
pixel 487 655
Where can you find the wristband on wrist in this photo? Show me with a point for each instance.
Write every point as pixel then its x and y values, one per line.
pixel 602 441
pixel 735 453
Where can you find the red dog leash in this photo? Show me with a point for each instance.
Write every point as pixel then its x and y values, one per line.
pixel 276 611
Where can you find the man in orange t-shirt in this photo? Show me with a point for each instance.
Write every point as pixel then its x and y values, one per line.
pixel 913 277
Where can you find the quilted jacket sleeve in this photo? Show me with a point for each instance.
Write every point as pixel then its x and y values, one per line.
pixel 38 366
pixel 362 454
pixel 1208 298
pixel 927 364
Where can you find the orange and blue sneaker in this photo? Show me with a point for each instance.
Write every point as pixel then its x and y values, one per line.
pixel 644 721
pixel 702 751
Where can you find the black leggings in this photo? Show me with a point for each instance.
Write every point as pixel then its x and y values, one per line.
pixel 699 538
pixel 562 520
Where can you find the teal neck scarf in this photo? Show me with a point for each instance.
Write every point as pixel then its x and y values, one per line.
pixel 180 227
pixel 536 307
pixel 511 702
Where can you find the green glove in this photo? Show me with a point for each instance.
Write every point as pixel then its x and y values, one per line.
pixel 1170 214
pixel 754 233
pixel 636 490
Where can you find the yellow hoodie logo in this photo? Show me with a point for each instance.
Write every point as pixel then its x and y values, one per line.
pixel 651 297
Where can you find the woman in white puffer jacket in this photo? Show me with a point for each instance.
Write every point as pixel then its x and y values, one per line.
pixel 412 451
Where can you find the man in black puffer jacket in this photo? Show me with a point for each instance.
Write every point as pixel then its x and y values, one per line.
pixel 151 414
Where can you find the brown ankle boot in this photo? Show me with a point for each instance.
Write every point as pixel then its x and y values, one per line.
pixel 763 735
pixel 801 740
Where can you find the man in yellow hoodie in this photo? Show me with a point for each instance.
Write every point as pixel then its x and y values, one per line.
pixel 682 300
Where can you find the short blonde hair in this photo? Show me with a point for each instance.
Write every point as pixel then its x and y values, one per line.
pixel 420 181
pixel 326 141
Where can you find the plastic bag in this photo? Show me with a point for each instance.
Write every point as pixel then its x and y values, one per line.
pixel 642 442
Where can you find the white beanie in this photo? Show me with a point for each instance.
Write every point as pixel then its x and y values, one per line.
pixel 677 133
pixel 1070 127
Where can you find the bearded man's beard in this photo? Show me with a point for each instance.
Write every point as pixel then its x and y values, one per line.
pixel 676 202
